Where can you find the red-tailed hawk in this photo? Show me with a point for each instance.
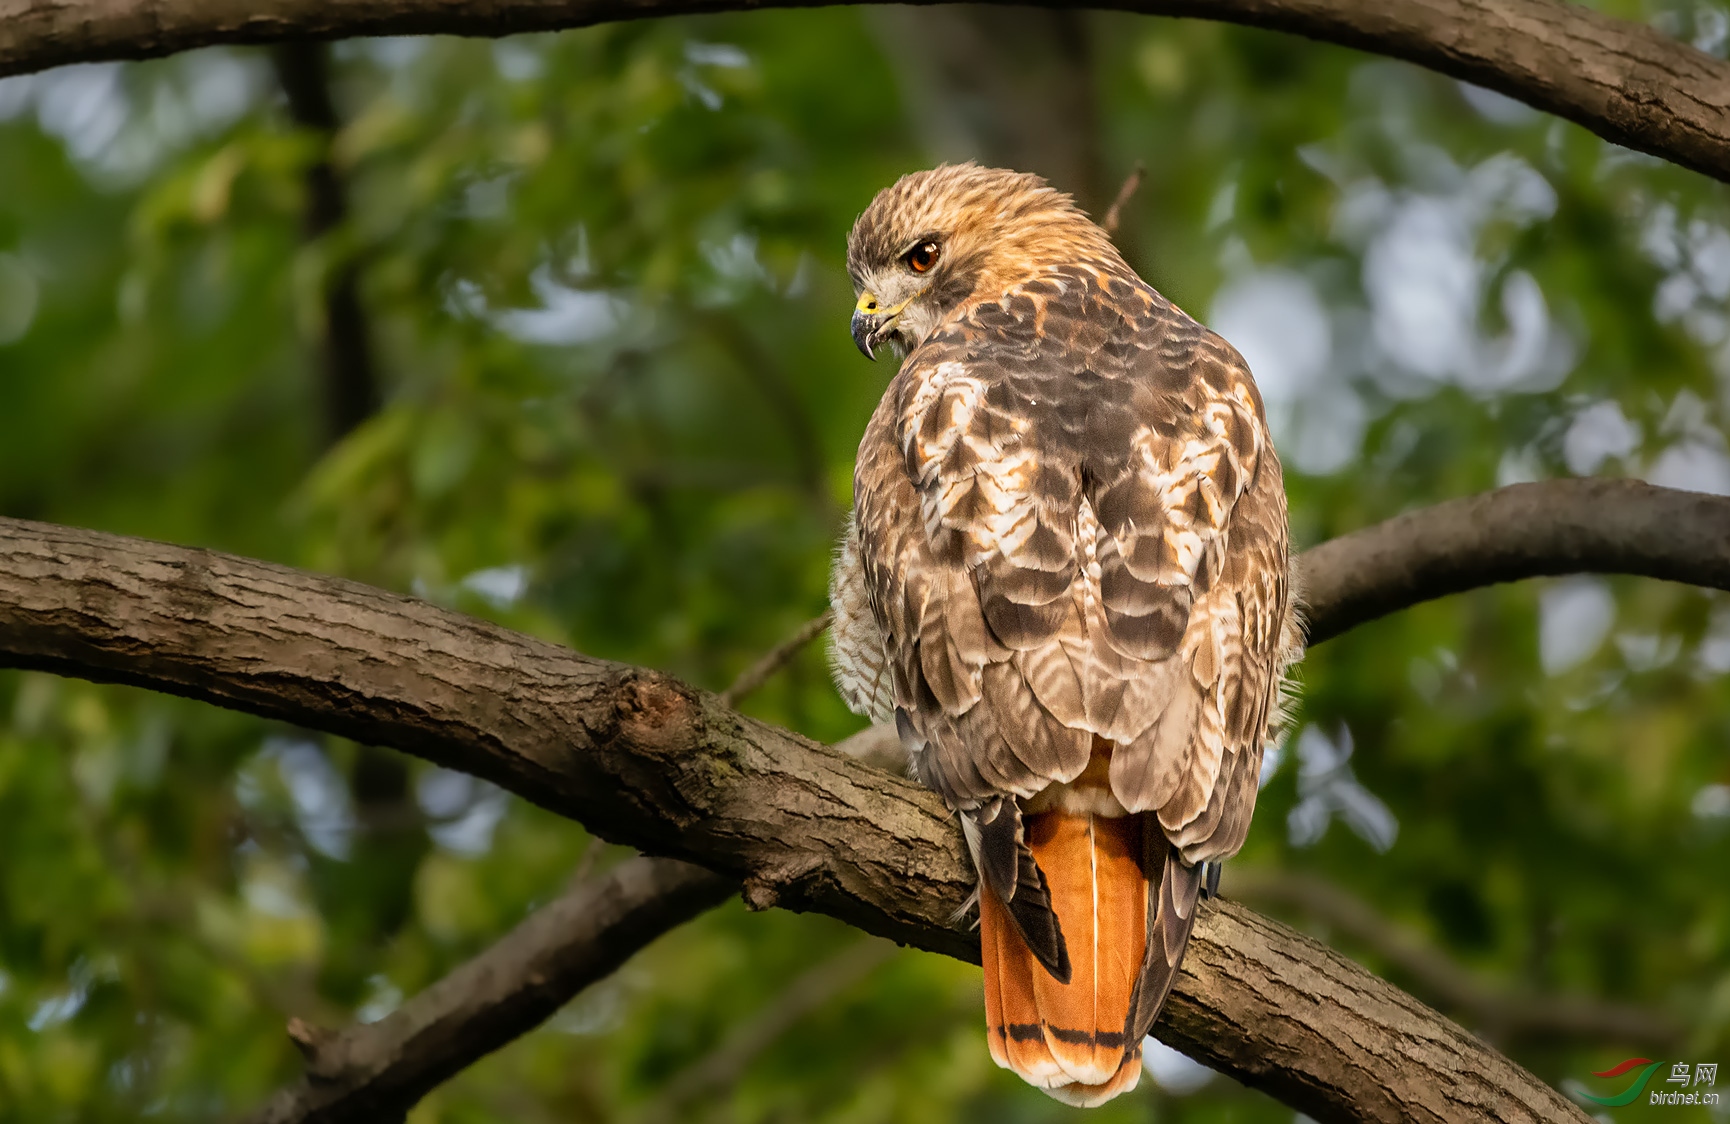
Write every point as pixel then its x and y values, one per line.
pixel 1065 581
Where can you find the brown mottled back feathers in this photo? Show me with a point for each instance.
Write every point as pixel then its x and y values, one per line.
pixel 1071 521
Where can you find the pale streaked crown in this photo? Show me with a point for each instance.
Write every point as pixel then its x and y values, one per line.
pixel 993 229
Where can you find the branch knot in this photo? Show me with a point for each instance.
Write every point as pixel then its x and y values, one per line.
pixel 320 1049
pixel 764 888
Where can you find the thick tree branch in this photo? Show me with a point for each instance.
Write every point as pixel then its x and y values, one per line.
pixel 380 1071
pixel 368 1070
pixel 635 756
pixel 1522 531
pixel 376 1072
pixel 1626 82
pixel 644 760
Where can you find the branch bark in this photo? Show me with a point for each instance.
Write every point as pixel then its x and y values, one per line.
pixel 644 760
pixel 376 1072
pixel 1624 81
pixel 1522 531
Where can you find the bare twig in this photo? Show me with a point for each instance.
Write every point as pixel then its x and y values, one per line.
pixel 777 658
pixel 1500 1012
pixel 710 1076
pixel 586 862
pixel 1114 213
pixel 377 1071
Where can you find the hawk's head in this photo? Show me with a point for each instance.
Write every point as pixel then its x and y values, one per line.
pixel 933 240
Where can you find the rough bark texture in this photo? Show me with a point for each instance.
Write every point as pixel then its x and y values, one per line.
pixel 1626 82
pixel 641 759
pixel 376 1072
pixel 636 756
pixel 1322 1034
pixel 1522 531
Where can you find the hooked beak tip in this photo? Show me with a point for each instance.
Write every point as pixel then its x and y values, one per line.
pixel 863 329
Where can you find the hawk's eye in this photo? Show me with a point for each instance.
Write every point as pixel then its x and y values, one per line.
pixel 921 257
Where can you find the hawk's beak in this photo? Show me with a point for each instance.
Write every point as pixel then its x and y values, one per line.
pixel 872 323
pixel 865 326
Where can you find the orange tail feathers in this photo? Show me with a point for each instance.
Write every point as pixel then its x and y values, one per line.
pixel 1071 1039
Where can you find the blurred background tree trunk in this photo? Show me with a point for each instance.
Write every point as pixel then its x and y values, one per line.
pixel 1009 87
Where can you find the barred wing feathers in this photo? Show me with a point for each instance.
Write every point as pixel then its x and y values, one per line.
pixel 1070 522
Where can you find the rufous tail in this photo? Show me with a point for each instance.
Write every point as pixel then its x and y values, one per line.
pixel 1073 1040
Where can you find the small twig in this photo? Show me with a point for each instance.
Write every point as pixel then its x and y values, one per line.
pixel 1501 1012
pixel 758 673
pixel 586 863
pixel 1114 213
pixel 712 1075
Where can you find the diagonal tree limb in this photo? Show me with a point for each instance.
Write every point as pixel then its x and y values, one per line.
pixel 206 607
pixel 376 1072
pixel 636 756
pixel 644 760
pixel 1626 82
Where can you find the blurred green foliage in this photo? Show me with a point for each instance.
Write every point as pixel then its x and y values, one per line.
pixel 603 277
